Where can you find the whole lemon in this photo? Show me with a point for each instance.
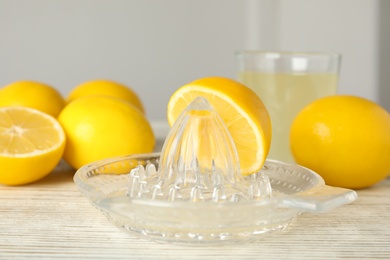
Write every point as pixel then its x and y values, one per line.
pixel 98 127
pixel 345 139
pixel 32 94
pixel 106 88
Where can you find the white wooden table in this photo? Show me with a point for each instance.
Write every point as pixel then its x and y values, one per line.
pixel 51 219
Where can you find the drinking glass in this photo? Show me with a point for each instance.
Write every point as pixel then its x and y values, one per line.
pixel 287 82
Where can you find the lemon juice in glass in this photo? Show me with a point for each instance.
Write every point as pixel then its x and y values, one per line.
pixel 287 82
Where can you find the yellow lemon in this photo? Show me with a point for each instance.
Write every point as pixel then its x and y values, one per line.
pixel 31 145
pixel 106 88
pixel 32 94
pixel 98 127
pixel 242 111
pixel 345 139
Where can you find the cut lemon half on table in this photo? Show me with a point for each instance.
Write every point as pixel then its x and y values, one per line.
pixel 31 145
pixel 242 111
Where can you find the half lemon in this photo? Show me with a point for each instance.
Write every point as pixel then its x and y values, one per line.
pixel 242 111
pixel 31 145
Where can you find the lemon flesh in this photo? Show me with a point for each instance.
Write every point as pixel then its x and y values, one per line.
pixel 31 145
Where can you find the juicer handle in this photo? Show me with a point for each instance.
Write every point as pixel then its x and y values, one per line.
pixel 322 199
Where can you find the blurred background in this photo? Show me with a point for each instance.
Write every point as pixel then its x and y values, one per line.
pixel 157 46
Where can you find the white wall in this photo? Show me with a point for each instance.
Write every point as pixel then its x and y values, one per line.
pixel 384 53
pixel 157 46
pixel 153 46
pixel 349 27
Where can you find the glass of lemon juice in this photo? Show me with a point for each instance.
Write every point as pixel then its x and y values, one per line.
pixel 287 82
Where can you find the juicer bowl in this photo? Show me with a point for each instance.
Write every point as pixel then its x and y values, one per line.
pixel 295 189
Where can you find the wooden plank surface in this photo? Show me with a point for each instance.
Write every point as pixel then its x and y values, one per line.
pixel 51 219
